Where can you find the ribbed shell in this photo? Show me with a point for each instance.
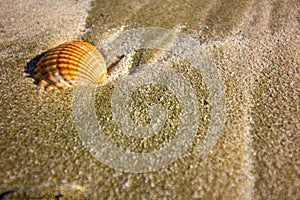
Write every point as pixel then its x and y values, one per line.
pixel 68 64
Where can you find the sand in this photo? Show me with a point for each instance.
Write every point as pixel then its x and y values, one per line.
pixel 254 44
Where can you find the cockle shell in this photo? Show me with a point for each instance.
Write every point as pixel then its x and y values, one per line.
pixel 68 64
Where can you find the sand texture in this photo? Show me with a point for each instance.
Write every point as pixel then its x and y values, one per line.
pixel 255 45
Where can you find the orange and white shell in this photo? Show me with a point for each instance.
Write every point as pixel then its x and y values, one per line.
pixel 68 64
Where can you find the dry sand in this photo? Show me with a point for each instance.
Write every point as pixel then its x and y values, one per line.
pixel 255 44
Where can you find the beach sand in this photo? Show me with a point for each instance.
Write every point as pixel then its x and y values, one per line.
pixel 254 44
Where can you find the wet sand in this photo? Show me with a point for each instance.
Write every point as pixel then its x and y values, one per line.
pixel 255 45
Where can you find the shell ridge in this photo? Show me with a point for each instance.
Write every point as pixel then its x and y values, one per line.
pixel 64 70
pixel 69 64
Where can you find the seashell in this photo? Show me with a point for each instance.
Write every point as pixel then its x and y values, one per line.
pixel 69 64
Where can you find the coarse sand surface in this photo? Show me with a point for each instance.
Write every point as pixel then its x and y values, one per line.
pixel 254 44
